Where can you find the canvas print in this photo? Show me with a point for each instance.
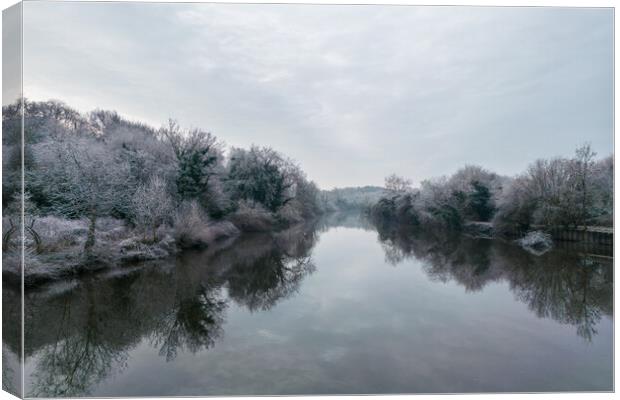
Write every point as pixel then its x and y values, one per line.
pixel 293 199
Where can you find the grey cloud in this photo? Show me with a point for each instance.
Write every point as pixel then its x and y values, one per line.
pixel 351 92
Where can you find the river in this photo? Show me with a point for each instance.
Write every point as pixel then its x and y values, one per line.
pixel 336 307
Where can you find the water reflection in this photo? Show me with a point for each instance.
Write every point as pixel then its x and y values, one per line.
pixel 81 333
pixel 572 284
pixel 194 322
pixel 11 340
pixel 274 272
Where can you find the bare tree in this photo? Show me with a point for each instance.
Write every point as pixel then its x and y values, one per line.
pixel 583 165
pixel 397 184
pixel 151 205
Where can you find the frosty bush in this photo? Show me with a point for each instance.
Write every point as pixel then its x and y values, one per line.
pixel 151 206
pixel 536 242
pixel 59 234
pixel 193 227
pixel 290 214
pixel 252 217
pixel 189 225
pixel 443 203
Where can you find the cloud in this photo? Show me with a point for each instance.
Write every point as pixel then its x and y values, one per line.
pixel 351 92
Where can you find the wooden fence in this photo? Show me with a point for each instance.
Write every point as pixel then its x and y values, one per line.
pixel 591 234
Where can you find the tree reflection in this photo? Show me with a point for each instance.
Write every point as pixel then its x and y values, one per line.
pixel 348 218
pixel 261 285
pixel 79 335
pixel 570 286
pixel 85 345
pixel 194 322
pixel 275 271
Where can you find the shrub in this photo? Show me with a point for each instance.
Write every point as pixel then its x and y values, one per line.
pixel 151 206
pixel 189 225
pixel 252 217
pixel 290 213
pixel 193 228
pixel 57 234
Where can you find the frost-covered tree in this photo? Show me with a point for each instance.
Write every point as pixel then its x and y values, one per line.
pixel 583 164
pixel 439 204
pixel 263 175
pixel 137 144
pixel 477 189
pixel 397 184
pixel 479 202
pixel 102 165
pixel 602 182
pixel 307 196
pixel 515 207
pixel 554 192
pixel 84 180
pixel 350 198
pixel 560 191
pixel 151 205
pixel 199 163
pixel 11 155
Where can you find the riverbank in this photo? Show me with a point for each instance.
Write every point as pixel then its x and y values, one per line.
pixel 537 240
pixel 55 246
pixel 600 236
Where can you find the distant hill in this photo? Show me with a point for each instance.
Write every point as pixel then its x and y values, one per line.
pixel 350 197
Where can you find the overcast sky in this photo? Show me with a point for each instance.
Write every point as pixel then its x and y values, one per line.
pixel 353 93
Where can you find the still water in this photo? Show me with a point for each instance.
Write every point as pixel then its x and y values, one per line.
pixel 333 308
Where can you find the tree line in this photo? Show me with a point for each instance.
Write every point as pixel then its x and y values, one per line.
pixel 188 185
pixel 572 192
pixel 350 198
pixel 99 165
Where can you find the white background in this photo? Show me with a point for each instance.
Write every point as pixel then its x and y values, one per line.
pixel 574 3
